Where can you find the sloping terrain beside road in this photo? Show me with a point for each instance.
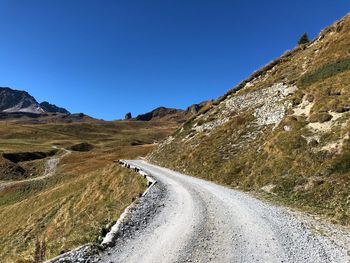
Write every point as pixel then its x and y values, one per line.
pixel 201 222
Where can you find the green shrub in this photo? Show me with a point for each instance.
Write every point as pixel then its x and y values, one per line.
pixel 304 39
pixel 320 117
pixel 326 71
pixel 188 125
pixel 341 164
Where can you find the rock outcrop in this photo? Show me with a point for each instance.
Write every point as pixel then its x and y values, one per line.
pixel 48 107
pixel 128 116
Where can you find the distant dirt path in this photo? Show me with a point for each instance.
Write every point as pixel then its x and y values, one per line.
pixel 204 222
pixel 50 169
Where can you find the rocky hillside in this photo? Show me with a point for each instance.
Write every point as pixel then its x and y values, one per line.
pixel 20 101
pixel 284 131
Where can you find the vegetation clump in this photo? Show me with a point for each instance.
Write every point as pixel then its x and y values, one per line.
pixel 82 147
pixel 304 39
pixel 320 117
pixel 326 71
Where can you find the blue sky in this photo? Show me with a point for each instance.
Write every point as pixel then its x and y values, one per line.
pixel 105 58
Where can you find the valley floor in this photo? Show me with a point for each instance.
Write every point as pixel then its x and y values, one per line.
pixel 199 221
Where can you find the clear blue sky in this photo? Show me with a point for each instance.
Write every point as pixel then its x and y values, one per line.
pixel 105 58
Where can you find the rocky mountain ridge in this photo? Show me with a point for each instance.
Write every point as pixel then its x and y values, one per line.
pixel 14 101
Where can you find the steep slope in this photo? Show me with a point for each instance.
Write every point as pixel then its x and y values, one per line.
pixel 21 101
pixel 285 130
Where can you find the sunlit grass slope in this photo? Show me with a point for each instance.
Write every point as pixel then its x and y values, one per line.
pixel 88 191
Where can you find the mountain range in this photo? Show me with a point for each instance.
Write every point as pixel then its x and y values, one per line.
pixel 17 103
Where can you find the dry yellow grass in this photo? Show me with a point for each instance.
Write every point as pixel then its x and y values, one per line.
pixel 87 192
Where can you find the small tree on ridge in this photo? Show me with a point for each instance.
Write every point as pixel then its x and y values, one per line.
pixel 304 39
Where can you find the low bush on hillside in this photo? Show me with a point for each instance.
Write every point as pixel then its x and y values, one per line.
pixel 320 117
pixel 341 164
pixel 326 71
pixel 81 147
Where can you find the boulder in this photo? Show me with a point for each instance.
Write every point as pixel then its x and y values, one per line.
pixel 128 116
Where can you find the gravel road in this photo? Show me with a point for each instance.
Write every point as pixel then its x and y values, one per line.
pixel 199 221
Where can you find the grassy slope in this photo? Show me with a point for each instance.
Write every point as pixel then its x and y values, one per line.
pixel 88 191
pixel 312 174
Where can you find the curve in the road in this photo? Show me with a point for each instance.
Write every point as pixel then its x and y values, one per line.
pixel 205 222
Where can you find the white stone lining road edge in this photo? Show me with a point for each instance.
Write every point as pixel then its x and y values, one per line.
pixel 109 239
pixel 89 252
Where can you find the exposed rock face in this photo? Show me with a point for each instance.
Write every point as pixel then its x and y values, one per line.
pixel 47 107
pixel 287 122
pixel 16 100
pixel 128 116
pixel 12 101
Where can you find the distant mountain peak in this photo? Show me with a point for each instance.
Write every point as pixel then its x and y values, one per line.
pixel 12 100
pixel 48 107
